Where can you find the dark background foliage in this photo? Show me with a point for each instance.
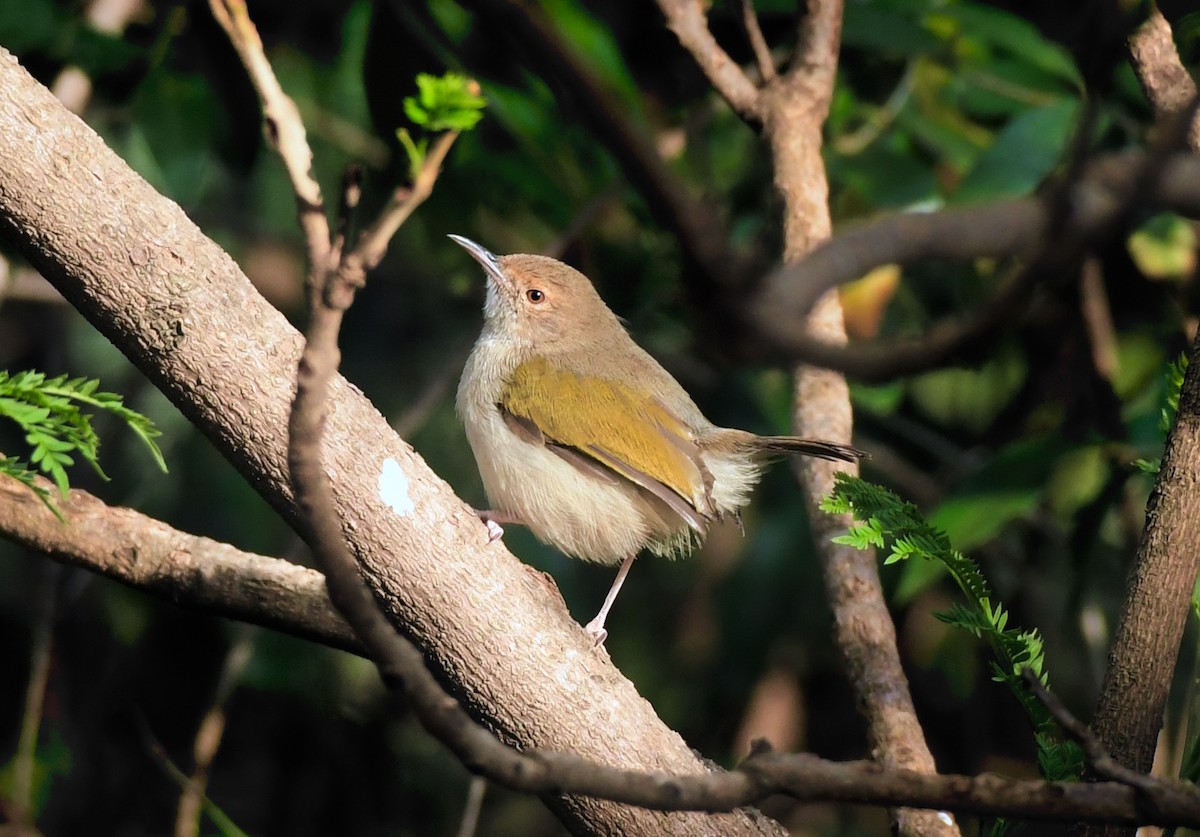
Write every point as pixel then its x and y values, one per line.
pixel 1022 453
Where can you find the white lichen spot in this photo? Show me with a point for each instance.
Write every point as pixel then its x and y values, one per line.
pixel 393 488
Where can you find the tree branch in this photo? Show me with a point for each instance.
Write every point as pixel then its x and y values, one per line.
pixel 1165 81
pixel 1145 647
pixel 1112 188
pixel 687 19
pixel 702 239
pixel 185 314
pixel 792 109
pixel 150 556
pixel 758 43
pixel 182 311
pixel 795 111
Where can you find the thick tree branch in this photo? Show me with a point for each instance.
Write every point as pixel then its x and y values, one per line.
pixel 178 306
pixel 1145 647
pixel 246 422
pixel 219 579
pixel 150 556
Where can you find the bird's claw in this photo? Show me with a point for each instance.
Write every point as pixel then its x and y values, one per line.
pixel 597 632
pixel 495 530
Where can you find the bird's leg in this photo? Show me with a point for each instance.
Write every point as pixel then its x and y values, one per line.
pixel 595 628
pixel 493 518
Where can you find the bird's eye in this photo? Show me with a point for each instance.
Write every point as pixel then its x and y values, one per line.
pixel 534 295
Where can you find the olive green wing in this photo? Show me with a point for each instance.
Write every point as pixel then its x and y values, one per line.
pixel 610 429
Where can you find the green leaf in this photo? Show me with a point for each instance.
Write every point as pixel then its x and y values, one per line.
pixel 57 430
pixel 878 29
pixel 1017 36
pixel 1024 153
pixel 445 103
pixel 1164 247
pixel 885 520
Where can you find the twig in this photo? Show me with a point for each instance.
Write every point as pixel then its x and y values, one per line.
pixel 1097 319
pixel 1097 757
pixel 373 243
pixel 686 18
pixel 40 655
pixel 754 33
pixel 472 807
pixel 209 734
pixel 159 753
pixel 281 118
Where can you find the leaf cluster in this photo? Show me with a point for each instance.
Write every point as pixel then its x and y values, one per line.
pixel 889 523
pixel 50 412
pixel 450 102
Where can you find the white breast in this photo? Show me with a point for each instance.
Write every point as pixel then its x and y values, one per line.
pixel 577 512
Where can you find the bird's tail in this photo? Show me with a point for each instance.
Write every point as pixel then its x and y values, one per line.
pixel 808 447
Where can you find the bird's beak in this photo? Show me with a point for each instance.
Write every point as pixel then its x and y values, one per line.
pixel 489 260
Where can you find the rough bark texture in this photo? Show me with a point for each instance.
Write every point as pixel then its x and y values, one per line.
pixel 1146 645
pixel 794 108
pixel 1166 82
pixel 493 629
pixel 149 555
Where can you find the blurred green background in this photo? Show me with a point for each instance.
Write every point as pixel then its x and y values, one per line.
pixel 1023 454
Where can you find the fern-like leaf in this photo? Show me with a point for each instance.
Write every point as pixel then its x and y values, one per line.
pixel 888 523
pixel 51 413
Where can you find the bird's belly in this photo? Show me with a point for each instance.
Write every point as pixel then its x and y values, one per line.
pixel 580 513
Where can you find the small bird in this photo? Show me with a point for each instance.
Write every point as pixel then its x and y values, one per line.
pixel 582 436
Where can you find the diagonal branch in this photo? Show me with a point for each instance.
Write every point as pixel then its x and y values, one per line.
pixel 687 19
pixel 281 118
pixel 157 280
pixel 1165 81
pixel 758 43
pixel 151 556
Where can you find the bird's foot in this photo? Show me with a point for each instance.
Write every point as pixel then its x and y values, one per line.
pixel 595 629
pixel 495 530
pixel 492 520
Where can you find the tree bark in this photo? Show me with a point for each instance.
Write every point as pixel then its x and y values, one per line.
pixel 150 556
pixel 495 631
pixel 794 109
pixel 1145 648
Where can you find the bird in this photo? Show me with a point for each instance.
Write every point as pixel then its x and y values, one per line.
pixel 584 438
